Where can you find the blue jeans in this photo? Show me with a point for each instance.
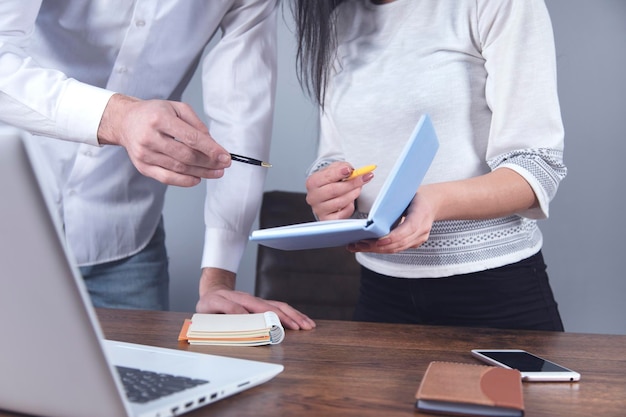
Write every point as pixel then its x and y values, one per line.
pixel 140 281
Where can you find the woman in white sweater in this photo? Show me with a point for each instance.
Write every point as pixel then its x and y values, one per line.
pixel 468 251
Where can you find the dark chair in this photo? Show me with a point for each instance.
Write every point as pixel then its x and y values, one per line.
pixel 322 283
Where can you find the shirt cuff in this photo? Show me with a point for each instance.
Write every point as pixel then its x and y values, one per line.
pixel 80 112
pixel 223 249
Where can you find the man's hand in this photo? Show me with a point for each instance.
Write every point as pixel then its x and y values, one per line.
pixel 217 295
pixel 165 140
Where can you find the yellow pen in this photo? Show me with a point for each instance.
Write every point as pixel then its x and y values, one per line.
pixel 361 171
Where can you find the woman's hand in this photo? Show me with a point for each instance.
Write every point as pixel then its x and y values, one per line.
pixel 499 193
pixel 331 195
pixel 413 230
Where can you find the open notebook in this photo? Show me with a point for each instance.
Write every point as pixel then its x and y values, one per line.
pixel 394 197
pixel 53 358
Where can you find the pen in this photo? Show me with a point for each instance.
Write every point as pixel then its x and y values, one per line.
pixel 251 161
pixel 361 171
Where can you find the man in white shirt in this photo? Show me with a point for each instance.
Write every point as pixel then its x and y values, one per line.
pixel 111 72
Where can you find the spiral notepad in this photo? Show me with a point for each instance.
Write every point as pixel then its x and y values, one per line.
pixel 233 329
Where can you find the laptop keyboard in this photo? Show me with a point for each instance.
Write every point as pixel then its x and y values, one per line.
pixel 143 386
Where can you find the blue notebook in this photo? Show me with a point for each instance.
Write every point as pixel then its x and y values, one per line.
pixel 394 197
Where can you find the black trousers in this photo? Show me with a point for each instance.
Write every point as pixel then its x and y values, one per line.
pixel 516 296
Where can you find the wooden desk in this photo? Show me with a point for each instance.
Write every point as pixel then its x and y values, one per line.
pixel 364 369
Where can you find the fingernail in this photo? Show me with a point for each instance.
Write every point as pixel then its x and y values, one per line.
pixel 223 157
pixel 367 177
pixel 346 171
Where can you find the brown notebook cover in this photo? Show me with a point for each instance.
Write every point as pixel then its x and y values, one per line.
pixel 470 390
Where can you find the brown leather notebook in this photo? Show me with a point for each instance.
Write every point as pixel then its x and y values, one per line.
pixel 470 390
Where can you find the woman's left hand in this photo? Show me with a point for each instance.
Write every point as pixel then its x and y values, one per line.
pixel 411 232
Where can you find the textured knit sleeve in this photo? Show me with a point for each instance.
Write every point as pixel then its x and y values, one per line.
pixel 329 149
pixel 526 133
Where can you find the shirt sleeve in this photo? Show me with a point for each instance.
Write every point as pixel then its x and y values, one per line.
pixel 42 100
pixel 239 82
pixel 526 133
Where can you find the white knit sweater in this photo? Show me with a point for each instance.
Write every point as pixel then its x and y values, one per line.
pixel 485 71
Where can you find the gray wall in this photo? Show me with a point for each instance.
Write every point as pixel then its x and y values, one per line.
pixel 584 235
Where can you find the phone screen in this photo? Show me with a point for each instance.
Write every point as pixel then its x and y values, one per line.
pixel 524 362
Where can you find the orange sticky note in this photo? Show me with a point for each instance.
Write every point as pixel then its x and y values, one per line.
pixel 182 336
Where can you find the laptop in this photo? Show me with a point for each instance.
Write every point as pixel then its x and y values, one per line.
pixel 54 360
pixel 394 197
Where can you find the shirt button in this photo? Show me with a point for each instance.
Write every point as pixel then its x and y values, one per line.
pixel 122 70
pixel 87 153
pixel 71 193
pixel 140 23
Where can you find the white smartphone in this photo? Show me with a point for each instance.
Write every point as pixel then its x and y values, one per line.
pixel 532 367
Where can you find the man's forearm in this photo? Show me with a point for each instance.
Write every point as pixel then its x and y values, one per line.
pixel 213 279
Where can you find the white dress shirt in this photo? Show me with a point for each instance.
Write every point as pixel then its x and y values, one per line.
pixel 60 62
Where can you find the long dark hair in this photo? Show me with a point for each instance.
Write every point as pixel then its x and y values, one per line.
pixel 317 39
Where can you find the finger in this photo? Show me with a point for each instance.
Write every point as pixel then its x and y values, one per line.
pixel 304 322
pixel 392 243
pixel 258 305
pixel 255 304
pixel 169 170
pixel 334 201
pixel 395 241
pixel 336 209
pixel 169 177
pixel 218 304
pixel 185 112
pixel 180 158
pixel 361 246
pixel 398 243
pixel 333 173
pixel 211 154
